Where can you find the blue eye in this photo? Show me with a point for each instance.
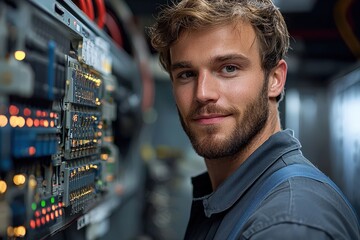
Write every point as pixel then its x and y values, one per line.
pixel 229 69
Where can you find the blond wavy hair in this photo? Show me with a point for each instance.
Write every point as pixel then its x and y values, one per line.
pixel 265 18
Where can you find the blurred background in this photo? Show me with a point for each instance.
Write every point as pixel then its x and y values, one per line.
pixel 147 160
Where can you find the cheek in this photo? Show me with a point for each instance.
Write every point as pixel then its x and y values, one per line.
pixel 183 98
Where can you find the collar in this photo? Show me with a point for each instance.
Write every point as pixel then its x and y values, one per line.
pixel 244 177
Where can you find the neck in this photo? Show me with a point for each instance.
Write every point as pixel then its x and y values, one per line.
pixel 220 169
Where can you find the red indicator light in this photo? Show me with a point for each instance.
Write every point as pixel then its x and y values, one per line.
pixel 43 211
pixel 38 113
pixel 43 220
pixel 38 223
pixel 60 212
pixel 27 112
pixel 37 213
pixel 52 216
pixel 36 122
pixel 13 110
pixel 32 224
pixel 47 217
pixel 48 209
pixel 56 213
pixel 32 151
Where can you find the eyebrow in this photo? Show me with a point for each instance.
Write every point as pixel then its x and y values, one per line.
pixel 217 59
pixel 231 57
pixel 180 65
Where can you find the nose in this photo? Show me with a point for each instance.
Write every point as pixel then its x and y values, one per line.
pixel 207 88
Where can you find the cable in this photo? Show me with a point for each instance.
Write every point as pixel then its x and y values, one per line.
pixel 82 5
pixel 114 30
pixel 101 18
pixel 90 8
pixel 342 7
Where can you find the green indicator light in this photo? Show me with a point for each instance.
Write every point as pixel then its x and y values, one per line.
pixel 33 206
pixel 52 200
pixel 43 203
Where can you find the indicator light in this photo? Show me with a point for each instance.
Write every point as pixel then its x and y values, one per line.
pixel 33 206
pixel 3 121
pixel 19 179
pixel 32 151
pixel 19 55
pixel 3 186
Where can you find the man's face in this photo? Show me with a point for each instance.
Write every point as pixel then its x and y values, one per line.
pixel 219 88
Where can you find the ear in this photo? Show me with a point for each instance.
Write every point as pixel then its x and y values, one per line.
pixel 277 79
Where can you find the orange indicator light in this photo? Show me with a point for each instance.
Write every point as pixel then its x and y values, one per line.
pixel 3 120
pixel 29 122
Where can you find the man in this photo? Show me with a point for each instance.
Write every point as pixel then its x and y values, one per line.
pixel 226 62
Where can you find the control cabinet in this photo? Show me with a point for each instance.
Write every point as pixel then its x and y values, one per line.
pixel 63 83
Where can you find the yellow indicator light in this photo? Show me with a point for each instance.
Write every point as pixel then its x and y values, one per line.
pixel 32 183
pixel 10 231
pixel 19 179
pixel 19 231
pixel 21 122
pixel 3 121
pixel 19 55
pixel 3 186
pixel 13 121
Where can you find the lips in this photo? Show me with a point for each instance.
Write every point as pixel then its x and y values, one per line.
pixel 209 118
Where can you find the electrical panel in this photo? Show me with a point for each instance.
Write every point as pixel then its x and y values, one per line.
pixel 63 88
pixel 344 97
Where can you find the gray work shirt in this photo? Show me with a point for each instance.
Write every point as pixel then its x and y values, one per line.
pixel 299 208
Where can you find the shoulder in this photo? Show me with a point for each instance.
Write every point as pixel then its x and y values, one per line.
pixel 300 208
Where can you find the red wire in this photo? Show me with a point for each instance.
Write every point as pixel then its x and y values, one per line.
pixel 90 8
pixel 83 6
pixel 114 30
pixel 101 13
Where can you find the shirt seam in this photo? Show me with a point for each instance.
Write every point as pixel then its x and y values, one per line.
pixel 274 222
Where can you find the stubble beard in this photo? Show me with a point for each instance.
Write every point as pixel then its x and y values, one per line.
pixel 252 122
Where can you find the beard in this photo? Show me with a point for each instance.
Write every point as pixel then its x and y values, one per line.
pixel 251 123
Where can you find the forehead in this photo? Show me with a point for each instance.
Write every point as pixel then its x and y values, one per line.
pixel 237 38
